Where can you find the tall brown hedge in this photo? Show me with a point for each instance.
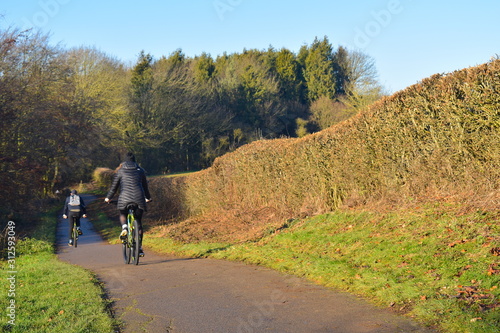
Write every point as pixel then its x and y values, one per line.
pixel 168 199
pixel 103 177
pixel 436 138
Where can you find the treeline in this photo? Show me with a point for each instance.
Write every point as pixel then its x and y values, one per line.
pixel 188 111
pixel 65 112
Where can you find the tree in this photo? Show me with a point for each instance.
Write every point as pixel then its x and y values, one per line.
pixel 289 75
pixel 142 130
pixel 343 71
pixel 99 86
pixel 354 71
pixel 319 70
pixel 204 68
pixel 142 84
pixel 356 74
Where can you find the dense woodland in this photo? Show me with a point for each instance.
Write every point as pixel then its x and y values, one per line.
pixel 66 111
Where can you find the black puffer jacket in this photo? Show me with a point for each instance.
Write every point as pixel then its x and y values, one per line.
pixel 131 179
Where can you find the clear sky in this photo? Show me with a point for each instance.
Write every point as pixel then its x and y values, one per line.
pixel 408 39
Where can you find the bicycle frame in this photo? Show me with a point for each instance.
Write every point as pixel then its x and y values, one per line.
pixel 74 231
pixel 131 243
pixel 130 225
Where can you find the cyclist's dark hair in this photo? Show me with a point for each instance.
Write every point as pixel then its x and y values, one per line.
pixel 130 157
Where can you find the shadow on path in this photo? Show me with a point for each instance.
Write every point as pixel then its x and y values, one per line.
pixel 171 294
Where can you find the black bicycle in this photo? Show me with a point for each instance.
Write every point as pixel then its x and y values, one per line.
pixel 74 231
pixel 130 244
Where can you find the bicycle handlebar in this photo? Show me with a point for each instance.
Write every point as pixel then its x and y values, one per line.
pixel 115 202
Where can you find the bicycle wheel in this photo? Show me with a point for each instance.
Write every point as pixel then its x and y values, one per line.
pixel 135 242
pixel 126 251
pixel 74 233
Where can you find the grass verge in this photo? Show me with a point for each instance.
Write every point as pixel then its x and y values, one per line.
pixel 435 264
pixel 49 295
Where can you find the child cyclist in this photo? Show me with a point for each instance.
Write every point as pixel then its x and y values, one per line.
pixel 74 207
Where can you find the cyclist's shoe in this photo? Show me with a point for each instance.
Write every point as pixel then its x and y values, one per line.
pixel 123 235
pixel 141 253
pixel 79 231
pixel 70 243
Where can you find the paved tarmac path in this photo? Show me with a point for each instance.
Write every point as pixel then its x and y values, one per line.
pixel 183 295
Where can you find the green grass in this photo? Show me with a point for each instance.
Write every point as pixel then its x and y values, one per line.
pixel 52 296
pixel 107 228
pixel 110 231
pixel 167 245
pixel 174 174
pixel 431 264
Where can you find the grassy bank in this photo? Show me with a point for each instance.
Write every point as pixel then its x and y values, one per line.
pixel 435 263
pixel 49 295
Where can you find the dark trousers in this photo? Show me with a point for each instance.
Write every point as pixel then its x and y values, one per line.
pixel 70 219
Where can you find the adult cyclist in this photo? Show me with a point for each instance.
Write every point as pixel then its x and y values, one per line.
pixel 130 178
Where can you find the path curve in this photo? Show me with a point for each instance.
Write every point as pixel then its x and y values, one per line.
pixel 184 295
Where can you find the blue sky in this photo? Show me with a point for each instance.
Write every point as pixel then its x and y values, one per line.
pixel 408 39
